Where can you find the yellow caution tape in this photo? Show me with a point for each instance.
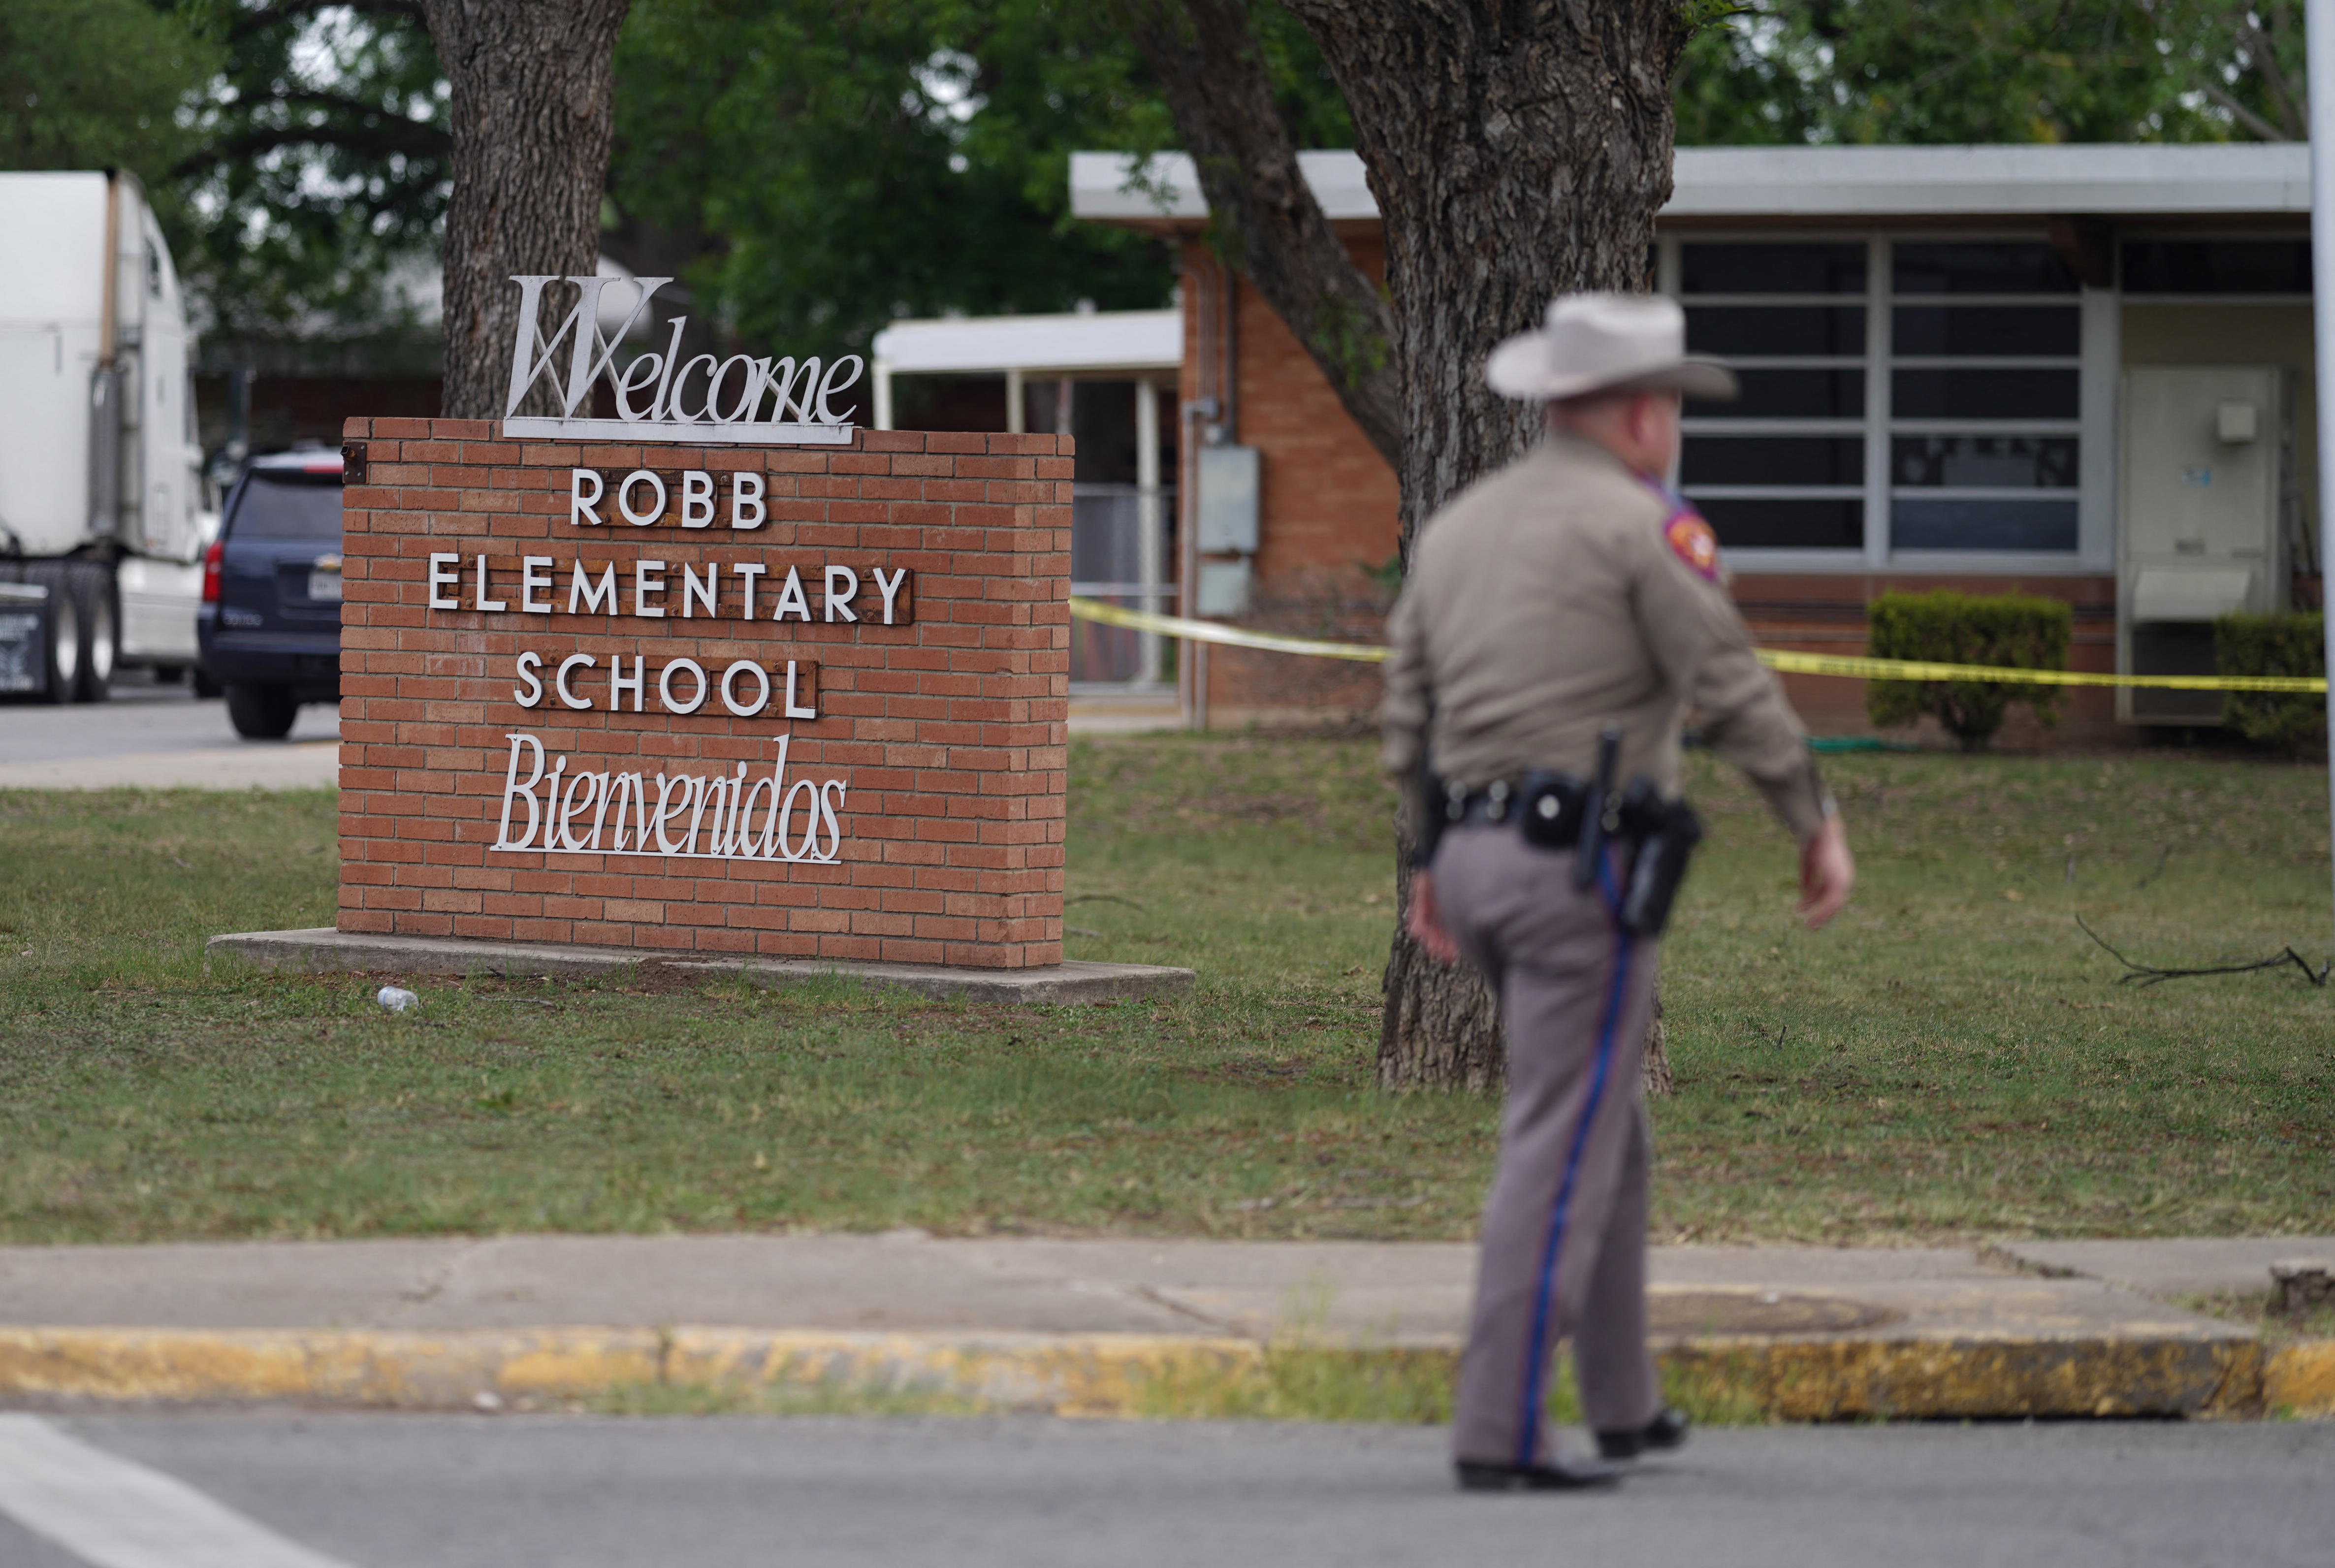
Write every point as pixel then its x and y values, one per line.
pixel 1857 668
pixel 1916 669
pixel 1210 632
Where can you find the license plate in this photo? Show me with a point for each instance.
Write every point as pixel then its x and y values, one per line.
pixel 324 586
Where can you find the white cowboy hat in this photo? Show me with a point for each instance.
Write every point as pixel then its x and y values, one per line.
pixel 1605 343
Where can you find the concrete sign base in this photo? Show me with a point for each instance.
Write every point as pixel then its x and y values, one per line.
pixel 321 950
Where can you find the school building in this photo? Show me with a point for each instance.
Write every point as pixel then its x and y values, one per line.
pixel 2084 372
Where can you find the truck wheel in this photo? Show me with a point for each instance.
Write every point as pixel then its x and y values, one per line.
pixel 64 652
pixel 261 713
pixel 92 593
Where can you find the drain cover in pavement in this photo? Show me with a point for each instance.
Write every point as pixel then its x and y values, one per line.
pixel 1758 1312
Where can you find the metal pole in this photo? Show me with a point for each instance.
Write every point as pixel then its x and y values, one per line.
pixel 1147 522
pixel 2321 20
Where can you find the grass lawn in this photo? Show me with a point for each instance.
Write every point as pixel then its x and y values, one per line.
pixel 1952 1059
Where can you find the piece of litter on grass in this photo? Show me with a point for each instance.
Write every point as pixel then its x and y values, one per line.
pixel 396 998
pixel 484 1400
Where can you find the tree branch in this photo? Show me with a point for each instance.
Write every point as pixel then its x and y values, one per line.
pixel 2149 974
pixel 2262 55
pixel 407 136
pixel 2245 116
pixel 1220 95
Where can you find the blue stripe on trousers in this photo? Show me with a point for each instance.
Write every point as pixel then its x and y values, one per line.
pixel 1528 1428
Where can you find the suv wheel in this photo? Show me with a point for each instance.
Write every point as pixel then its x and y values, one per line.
pixel 262 713
pixel 93 596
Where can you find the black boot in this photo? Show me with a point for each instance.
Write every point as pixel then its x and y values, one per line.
pixel 1666 1431
pixel 1559 1474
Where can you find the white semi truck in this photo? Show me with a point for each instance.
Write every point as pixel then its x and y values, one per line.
pixel 103 500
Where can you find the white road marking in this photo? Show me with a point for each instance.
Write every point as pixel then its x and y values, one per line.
pixel 112 1514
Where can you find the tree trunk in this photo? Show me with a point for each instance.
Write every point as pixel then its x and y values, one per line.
pixel 532 111
pixel 1518 150
pixel 1264 216
pixel 1657 1073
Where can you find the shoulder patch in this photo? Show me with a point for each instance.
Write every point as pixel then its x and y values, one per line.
pixel 1692 540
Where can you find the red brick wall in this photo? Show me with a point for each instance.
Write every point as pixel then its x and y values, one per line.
pixel 1329 510
pixel 949 732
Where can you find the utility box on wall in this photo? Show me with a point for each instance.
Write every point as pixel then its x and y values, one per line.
pixel 2202 526
pixel 1230 490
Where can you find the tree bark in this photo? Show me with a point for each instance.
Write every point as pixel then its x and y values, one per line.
pixel 533 109
pixel 1518 150
pixel 1265 220
pixel 1657 1064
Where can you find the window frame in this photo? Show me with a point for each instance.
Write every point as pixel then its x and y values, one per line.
pixel 2097 363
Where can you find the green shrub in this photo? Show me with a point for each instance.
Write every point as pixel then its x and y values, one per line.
pixel 2007 631
pixel 2295 723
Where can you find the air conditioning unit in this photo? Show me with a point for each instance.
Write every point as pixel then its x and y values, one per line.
pixel 2203 523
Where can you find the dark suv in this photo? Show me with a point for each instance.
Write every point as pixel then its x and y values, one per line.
pixel 270 622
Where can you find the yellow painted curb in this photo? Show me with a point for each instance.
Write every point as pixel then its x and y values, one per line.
pixel 2300 1379
pixel 354 1366
pixel 1063 1374
pixel 1919 1379
pixel 1124 1375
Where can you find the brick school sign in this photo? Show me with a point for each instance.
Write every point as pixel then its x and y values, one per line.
pixel 799 700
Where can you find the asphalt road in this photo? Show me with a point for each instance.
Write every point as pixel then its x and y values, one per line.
pixel 141 717
pixel 503 1492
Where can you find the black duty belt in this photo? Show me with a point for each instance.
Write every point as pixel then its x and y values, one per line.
pixel 1656 838
pixel 1545 806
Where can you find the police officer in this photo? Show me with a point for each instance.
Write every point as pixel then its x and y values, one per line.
pixel 1566 606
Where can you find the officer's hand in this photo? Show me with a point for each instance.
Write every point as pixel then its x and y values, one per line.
pixel 1426 926
pixel 1827 871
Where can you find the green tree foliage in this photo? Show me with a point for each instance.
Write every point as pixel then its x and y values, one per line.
pixel 2003 630
pixel 98 84
pixel 322 167
pixel 1984 71
pixel 815 170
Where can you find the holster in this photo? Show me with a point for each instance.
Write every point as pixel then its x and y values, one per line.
pixel 1660 836
pixel 1435 814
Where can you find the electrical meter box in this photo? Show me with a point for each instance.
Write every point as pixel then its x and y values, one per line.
pixel 2206 509
pixel 1229 493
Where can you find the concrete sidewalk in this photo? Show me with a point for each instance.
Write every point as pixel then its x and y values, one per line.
pixel 1082 1326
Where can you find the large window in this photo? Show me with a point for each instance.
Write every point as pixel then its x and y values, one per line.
pixel 1783 466
pixel 1986 351
pixel 1930 391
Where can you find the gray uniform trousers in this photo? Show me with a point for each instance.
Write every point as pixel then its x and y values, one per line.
pixel 1564 1232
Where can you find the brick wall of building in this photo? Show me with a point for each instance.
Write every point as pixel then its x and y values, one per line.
pixel 1329 512
pixel 947 730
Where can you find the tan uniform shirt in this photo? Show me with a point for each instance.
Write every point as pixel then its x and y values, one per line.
pixel 1544 604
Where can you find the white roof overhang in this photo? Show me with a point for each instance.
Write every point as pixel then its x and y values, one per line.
pixel 1714 182
pixel 1111 340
